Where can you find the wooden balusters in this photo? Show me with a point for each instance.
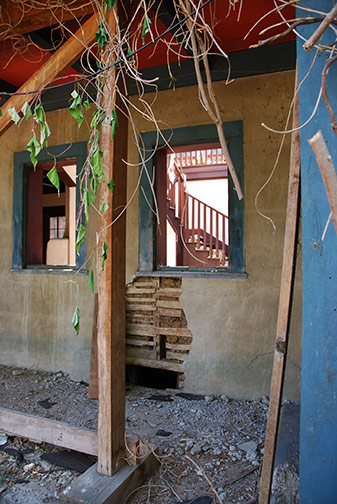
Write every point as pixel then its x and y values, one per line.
pixel 210 232
pixel 217 234
pixel 198 238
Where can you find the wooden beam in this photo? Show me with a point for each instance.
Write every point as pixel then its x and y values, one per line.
pixel 48 431
pixel 62 59
pixel 15 21
pixel 62 434
pixel 284 310
pixel 111 281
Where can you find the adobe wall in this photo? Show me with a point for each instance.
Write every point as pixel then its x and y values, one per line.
pixel 36 309
pixel 233 321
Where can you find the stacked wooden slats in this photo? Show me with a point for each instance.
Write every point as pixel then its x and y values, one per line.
pixel 156 332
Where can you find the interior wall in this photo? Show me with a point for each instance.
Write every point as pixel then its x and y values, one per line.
pixel 233 321
pixel 36 308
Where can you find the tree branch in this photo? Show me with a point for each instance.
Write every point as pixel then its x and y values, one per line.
pixel 309 44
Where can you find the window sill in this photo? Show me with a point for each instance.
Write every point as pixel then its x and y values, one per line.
pixel 53 270
pixel 189 272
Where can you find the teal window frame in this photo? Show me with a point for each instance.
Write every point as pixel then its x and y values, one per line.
pixel 78 151
pixel 147 221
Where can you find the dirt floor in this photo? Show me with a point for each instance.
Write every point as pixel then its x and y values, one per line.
pixel 208 446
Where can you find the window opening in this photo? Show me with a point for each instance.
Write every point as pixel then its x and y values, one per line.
pixel 51 215
pixel 194 229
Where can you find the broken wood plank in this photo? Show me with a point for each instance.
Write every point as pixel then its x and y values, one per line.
pixel 94 488
pixel 169 312
pixel 141 353
pixel 168 304
pixel 62 59
pixel 140 307
pixel 167 292
pixel 175 331
pixel 151 283
pixel 177 347
pixel 139 342
pixel 158 364
pixel 284 310
pixel 176 355
pixel 48 431
pixel 132 300
pixel 134 290
pixel 324 161
pixel 141 330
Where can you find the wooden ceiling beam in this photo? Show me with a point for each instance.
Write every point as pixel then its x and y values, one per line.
pixel 62 59
pixel 14 22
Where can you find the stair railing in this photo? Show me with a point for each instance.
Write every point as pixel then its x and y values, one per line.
pixel 201 223
pixel 206 226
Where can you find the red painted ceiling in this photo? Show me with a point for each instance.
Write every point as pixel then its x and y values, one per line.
pixel 17 62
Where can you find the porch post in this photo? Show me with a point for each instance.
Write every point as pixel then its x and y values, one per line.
pixel 318 438
pixel 111 285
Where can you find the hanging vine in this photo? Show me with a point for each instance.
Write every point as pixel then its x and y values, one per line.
pixel 116 53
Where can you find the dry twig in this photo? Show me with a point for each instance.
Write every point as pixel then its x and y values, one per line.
pixel 328 171
pixel 309 44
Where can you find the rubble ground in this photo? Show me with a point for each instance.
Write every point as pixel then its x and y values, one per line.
pixel 206 445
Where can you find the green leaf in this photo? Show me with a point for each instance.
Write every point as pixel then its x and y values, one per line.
pixel 89 198
pixel 26 110
pixel 54 177
pixel 146 27
pixel 111 185
pixel 86 104
pixel 102 36
pixel 96 163
pixel 75 108
pixel 0 113
pixel 38 113
pixel 76 320
pixel 104 254
pixel 110 4
pixel 34 148
pixel 104 207
pixel 14 115
pixel 91 281
pixel 44 133
pixel 81 232
pixel 114 123
pixel 93 184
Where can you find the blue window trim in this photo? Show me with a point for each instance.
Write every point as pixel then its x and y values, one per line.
pixel 147 223
pixel 22 161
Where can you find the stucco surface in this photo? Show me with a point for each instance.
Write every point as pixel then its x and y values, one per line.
pixel 36 308
pixel 233 321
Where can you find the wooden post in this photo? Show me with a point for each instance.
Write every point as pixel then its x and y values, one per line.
pixel 283 313
pixel 111 287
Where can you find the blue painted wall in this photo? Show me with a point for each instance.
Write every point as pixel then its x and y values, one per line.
pixel 318 443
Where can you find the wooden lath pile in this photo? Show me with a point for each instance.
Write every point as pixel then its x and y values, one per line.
pixel 156 332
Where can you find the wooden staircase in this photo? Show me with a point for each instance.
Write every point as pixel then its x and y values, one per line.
pixel 201 230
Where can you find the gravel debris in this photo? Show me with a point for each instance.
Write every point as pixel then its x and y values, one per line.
pixel 215 445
